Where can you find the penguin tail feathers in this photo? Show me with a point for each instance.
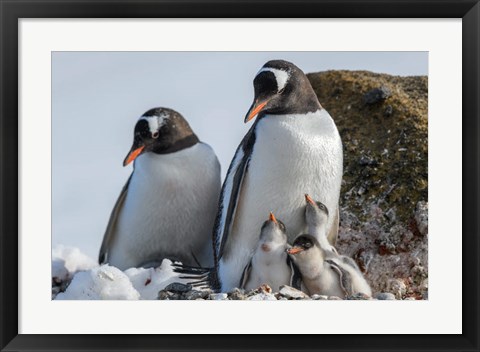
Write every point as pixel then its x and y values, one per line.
pixel 201 278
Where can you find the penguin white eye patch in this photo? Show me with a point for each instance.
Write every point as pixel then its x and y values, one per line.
pixel 280 76
pixel 154 123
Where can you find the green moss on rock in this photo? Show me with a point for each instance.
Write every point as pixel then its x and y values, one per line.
pixel 385 143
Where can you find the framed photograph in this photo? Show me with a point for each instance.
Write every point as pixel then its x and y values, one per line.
pixel 160 159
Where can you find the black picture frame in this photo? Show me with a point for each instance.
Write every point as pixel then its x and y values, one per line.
pixel 13 10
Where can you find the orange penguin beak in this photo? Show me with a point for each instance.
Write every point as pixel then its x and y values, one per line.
pixel 133 154
pixel 309 199
pixel 255 110
pixel 295 250
pixel 272 218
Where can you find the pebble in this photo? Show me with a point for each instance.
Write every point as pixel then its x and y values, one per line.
pixel 361 190
pixel 367 161
pixel 178 287
pixel 319 297
pixel 415 261
pixel 218 296
pixel 397 287
pixel 334 298
pixel 196 294
pixel 292 293
pixel 423 285
pixel 385 296
pixel 359 296
pixel 376 95
pixel 391 215
pixel 264 288
pixel 164 295
pixel 262 297
pixel 237 294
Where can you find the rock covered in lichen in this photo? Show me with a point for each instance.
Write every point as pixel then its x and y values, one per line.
pixel 385 159
pixel 421 217
pixel 383 123
pixel 392 258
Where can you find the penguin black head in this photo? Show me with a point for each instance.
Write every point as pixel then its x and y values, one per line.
pixel 273 230
pixel 282 88
pixel 161 131
pixel 303 243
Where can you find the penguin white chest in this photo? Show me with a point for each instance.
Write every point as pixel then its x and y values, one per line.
pixel 169 208
pixel 292 155
pixel 271 270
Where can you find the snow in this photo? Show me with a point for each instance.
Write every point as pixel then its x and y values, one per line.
pixel 104 282
pixel 66 261
pixel 93 282
pixel 151 280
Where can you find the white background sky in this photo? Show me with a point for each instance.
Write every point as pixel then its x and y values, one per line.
pixel 97 98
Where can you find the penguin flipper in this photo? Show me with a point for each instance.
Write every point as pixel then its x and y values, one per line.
pixel 231 190
pixel 351 262
pixel 112 222
pixel 344 276
pixel 333 234
pixel 245 275
pixel 296 276
pixel 199 277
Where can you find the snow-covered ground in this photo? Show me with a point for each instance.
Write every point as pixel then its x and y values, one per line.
pixel 89 281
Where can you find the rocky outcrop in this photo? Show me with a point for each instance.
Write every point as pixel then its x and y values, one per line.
pixel 383 123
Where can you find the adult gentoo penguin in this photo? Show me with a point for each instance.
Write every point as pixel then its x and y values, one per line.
pixel 270 263
pixel 292 147
pixel 167 208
